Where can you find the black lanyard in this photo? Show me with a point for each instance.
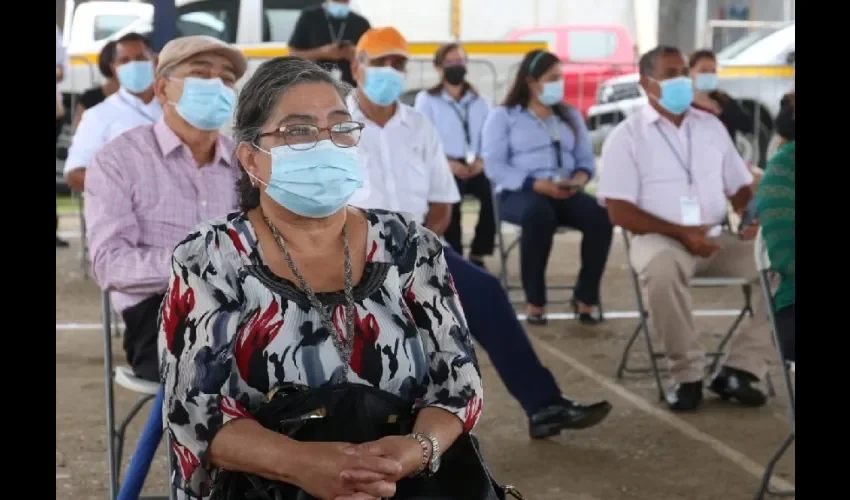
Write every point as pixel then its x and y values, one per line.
pixel 686 166
pixel 555 136
pixel 136 109
pixel 464 119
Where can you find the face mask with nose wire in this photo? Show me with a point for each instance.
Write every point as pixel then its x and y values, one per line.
pixel 206 103
pixel 313 183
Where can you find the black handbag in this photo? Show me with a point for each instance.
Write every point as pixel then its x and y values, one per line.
pixel 356 413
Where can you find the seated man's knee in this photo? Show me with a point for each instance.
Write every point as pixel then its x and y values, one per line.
pixel 663 271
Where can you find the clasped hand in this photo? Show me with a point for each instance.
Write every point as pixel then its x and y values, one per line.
pixel 368 471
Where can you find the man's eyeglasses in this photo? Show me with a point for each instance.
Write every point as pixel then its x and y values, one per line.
pixel 304 137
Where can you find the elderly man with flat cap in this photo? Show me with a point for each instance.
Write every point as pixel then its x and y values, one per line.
pixel 149 187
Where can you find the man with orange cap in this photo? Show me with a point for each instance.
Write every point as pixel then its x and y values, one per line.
pixel 407 171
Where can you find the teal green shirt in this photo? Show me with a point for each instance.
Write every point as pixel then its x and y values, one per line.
pixel 776 213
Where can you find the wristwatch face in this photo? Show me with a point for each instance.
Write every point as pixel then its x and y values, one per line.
pixel 434 466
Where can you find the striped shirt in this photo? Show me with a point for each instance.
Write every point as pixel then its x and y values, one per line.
pixel 144 194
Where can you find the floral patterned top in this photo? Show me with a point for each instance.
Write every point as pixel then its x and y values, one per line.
pixel 230 330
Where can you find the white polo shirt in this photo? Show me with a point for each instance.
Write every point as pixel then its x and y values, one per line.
pixel 117 114
pixel 648 161
pixel 403 163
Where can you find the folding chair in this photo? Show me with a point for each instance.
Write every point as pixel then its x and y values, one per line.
pixel 763 265
pixel 84 243
pixel 147 391
pixel 505 249
pixel 643 323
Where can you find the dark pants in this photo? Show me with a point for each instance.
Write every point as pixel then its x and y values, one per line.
pixel 492 322
pixel 140 337
pixel 786 330
pixel 539 217
pixel 59 123
pixel 485 229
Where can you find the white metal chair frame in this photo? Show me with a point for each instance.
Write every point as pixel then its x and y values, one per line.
pixel 643 323
pixel 124 377
pixel 763 265
pixel 505 249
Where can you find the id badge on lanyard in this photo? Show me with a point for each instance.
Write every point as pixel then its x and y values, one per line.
pixel 463 113
pixel 691 211
pixel 555 136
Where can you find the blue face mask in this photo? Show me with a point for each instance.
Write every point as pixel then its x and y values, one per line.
pixel 337 9
pixel 705 82
pixel 677 94
pixel 552 93
pixel 313 183
pixel 135 76
pixel 383 85
pixel 206 104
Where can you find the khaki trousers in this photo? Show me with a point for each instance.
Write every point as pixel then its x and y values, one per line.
pixel 665 269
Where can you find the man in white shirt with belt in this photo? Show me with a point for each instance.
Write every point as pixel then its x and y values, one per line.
pixel 667 175
pixel 405 169
pixel 132 106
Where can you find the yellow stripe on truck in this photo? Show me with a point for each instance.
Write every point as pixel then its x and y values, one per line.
pixel 756 71
pixel 415 49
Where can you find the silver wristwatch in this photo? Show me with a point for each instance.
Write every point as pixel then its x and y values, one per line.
pixel 432 465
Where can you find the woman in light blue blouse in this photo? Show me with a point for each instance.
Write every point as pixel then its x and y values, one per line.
pixel 458 113
pixel 537 153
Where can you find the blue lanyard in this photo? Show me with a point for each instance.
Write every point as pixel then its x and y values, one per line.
pixel 554 133
pixel 685 166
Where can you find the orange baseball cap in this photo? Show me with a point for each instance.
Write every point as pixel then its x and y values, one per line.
pixel 380 42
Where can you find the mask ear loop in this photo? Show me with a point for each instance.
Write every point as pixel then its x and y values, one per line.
pixel 254 178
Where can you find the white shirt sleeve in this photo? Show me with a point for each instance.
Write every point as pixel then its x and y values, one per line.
pixel 89 138
pixel 443 188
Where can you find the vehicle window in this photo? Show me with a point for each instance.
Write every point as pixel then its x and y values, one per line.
pixel 550 37
pixel 769 48
pixel 590 45
pixel 106 25
pixel 280 16
pixel 215 18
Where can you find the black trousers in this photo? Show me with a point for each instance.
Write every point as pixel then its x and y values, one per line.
pixel 786 329
pixel 140 337
pixel 485 230
pixel 539 217
pixel 59 123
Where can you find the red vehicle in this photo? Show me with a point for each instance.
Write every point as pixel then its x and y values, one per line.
pixel 590 55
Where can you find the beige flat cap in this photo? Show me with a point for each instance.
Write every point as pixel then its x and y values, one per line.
pixel 181 49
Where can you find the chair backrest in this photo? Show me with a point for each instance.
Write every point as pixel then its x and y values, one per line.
pixel 760 251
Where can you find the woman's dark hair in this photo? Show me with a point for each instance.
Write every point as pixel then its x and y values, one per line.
pixel 439 59
pixel 256 103
pixel 106 58
pixel 699 55
pixel 533 65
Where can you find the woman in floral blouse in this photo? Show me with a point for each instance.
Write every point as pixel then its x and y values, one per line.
pixel 298 287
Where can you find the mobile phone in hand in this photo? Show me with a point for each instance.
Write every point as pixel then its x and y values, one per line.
pixel 569 185
pixel 345 44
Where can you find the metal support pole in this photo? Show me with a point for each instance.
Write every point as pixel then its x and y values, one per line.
pixel 164 23
pixel 700 24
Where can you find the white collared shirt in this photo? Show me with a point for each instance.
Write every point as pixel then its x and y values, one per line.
pixel 646 159
pixel 117 114
pixel 402 163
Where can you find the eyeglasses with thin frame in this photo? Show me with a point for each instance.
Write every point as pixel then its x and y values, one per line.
pixel 302 137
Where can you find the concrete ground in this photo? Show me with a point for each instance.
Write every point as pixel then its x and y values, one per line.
pixel 641 451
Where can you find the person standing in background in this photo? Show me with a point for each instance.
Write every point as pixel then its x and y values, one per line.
pixel 60 112
pixel 458 113
pixel 327 35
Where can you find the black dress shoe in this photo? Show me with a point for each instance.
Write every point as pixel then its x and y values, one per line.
pixel 731 383
pixel 60 243
pixel 566 414
pixel 685 397
pixel 536 319
pixel 583 317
